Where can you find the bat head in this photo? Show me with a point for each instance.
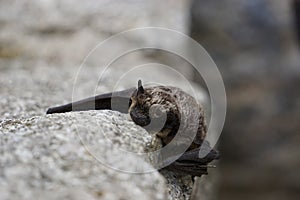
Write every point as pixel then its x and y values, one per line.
pixel 138 111
pixel 147 105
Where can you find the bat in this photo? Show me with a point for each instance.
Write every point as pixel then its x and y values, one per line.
pixel 160 109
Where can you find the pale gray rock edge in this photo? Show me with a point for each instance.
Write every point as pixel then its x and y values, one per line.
pixel 46 157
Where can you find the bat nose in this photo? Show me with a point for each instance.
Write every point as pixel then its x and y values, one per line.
pixel 139 118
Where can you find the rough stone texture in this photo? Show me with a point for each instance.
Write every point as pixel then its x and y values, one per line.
pixel 254 45
pixel 178 187
pixel 44 155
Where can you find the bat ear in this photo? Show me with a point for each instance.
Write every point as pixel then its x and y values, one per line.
pixel 140 87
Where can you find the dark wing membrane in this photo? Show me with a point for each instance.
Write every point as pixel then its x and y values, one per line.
pixel 118 101
pixel 190 162
pixel 186 168
pixel 208 153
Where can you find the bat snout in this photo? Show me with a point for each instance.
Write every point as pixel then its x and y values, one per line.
pixel 139 118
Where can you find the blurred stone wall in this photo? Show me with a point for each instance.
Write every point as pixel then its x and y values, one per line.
pixel 67 30
pixel 254 45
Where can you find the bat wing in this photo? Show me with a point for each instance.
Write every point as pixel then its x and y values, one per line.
pixel 186 168
pixel 194 155
pixel 191 163
pixel 118 101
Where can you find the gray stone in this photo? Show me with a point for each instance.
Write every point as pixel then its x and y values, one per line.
pixel 48 155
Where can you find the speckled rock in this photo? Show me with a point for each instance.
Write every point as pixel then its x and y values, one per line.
pixel 179 187
pixel 49 154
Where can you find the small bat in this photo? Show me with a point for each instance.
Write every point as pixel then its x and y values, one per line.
pixel 164 107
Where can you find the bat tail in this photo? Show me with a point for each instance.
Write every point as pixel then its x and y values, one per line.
pixel 118 101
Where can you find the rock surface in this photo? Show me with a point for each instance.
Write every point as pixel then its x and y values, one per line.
pixel 52 154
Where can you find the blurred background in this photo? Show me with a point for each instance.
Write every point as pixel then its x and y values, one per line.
pixel 254 44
